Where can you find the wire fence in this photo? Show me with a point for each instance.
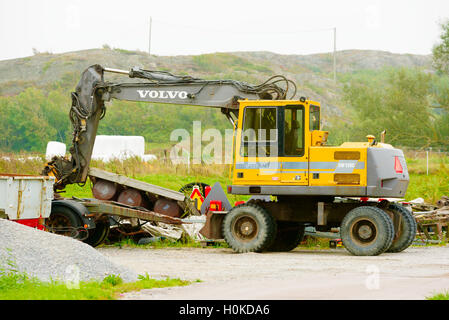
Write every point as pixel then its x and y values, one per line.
pixel 420 153
pixel 427 161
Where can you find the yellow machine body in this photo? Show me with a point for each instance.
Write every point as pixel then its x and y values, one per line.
pixel 279 162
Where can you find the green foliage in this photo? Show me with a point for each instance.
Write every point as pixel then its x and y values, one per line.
pixel 156 122
pixel 32 118
pixel 403 104
pixel 24 122
pixel 113 280
pixel 412 105
pixel 429 187
pixel 440 296
pixel 441 50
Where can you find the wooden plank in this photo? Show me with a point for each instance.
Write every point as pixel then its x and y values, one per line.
pixel 140 185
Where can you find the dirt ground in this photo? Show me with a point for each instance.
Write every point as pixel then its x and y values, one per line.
pixel 415 273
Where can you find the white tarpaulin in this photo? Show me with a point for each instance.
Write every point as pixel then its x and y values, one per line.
pixel 55 148
pixel 107 148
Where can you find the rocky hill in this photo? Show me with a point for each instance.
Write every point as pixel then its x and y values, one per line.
pixel 312 73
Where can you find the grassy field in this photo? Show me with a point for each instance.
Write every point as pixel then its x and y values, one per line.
pixel 20 286
pixel 439 296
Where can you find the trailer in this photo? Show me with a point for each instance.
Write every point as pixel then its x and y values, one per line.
pixel 30 200
pixel 26 199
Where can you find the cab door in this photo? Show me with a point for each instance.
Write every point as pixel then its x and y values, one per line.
pixel 257 160
pixel 294 160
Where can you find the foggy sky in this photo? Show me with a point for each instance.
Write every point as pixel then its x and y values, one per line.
pixel 198 26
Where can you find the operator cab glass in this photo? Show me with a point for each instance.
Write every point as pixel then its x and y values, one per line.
pixel 294 131
pixel 273 131
pixel 259 136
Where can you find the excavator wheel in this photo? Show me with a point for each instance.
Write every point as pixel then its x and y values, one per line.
pixel 249 228
pixel 367 231
pixel 405 231
pixel 288 236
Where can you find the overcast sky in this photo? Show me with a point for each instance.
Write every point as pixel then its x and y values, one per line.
pixel 197 26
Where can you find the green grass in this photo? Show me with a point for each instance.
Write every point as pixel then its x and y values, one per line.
pixel 429 187
pixel 439 296
pixel 314 243
pixel 166 243
pixel 19 286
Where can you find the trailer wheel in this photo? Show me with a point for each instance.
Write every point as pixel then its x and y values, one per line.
pixel 249 228
pixel 407 228
pixel 289 235
pixel 65 222
pixel 367 231
pixel 98 234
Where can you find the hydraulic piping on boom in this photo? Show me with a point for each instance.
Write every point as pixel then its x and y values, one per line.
pixel 92 91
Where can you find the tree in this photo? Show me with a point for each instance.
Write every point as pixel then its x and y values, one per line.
pixel 441 51
pixel 401 105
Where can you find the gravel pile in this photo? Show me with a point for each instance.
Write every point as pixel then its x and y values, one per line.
pixel 49 256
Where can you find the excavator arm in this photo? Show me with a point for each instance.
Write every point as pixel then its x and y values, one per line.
pixel 88 106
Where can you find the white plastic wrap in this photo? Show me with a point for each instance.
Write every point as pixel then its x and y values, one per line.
pixel 55 148
pixel 107 148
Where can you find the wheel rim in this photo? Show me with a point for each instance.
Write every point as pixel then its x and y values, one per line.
pixel 245 228
pixel 363 232
pixel 60 224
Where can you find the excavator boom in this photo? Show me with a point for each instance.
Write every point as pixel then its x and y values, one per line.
pixel 92 91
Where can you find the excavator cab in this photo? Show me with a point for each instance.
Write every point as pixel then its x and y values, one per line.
pixel 272 142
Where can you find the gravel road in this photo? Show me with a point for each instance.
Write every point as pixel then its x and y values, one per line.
pixel 301 274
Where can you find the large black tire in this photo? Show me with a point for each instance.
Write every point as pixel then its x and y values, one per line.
pixel 407 231
pixel 99 234
pixel 66 222
pixel 249 228
pixel 367 231
pixel 288 236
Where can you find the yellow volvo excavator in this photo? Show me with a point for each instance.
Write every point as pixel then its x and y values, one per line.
pixel 280 151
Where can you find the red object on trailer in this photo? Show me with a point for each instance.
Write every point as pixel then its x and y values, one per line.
pixel 215 205
pixel 33 223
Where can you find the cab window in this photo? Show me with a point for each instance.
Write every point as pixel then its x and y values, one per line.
pixel 259 135
pixel 294 131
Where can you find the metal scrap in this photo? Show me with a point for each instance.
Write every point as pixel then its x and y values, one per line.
pixel 432 220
